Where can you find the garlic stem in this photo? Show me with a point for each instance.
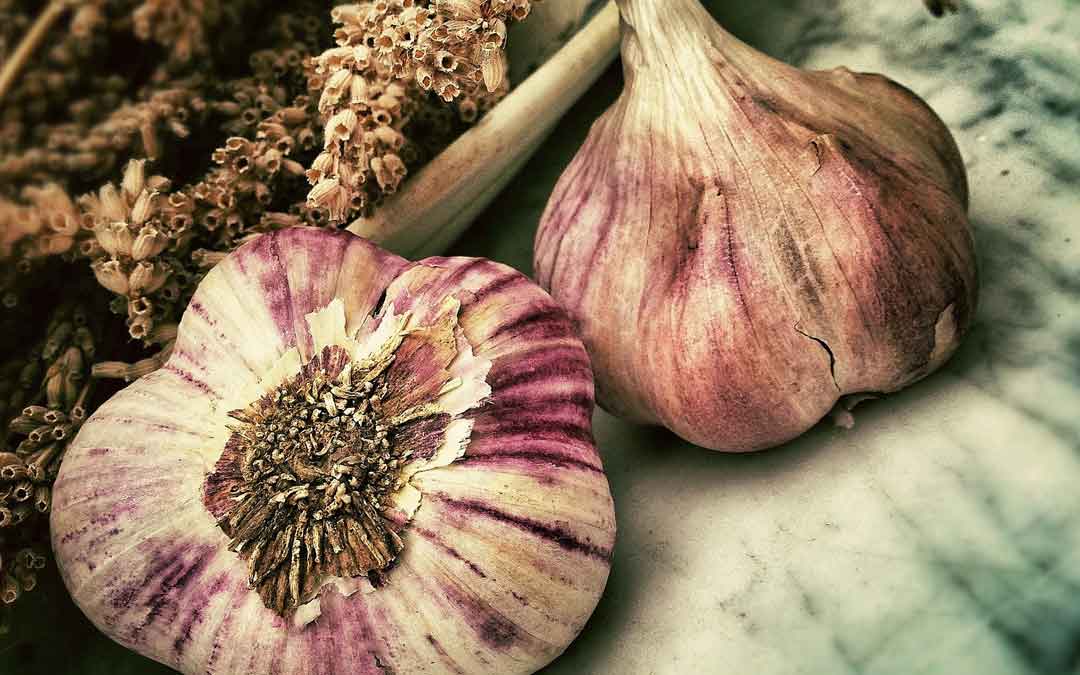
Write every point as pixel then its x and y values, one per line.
pixel 440 201
pixel 680 41
pixel 672 30
pixel 30 42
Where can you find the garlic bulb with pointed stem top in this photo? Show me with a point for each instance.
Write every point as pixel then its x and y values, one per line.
pixel 350 464
pixel 742 243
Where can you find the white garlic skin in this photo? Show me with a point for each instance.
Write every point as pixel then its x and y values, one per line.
pixel 742 243
pixel 505 557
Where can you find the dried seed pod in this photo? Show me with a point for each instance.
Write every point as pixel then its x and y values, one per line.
pixel 343 441
pixel 42 500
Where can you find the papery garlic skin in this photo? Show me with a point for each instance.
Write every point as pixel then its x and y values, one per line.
pixel 742 242
pixel 508 546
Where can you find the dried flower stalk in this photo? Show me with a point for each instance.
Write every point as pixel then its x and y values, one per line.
pixel 145 127
pixel 180 24
pixel 388 55
pixel 43 403
pixel 18 59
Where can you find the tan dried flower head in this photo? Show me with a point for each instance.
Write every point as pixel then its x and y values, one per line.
pixel 18 571
pixel 388 55
pixel 231 200
pixel 17 223
pixel 48 224
pixel 77 149
pixel 464 47
pixel 43 400
pixel 365 111
pixel 132 228
pixel 181 25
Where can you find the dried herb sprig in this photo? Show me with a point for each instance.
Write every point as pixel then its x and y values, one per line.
pixel 133 226
pixel 35 36
pixel 76 150
pixel 20 561
pixel 389 55
pixel 46 225
pixel 154 241
pixel 43 402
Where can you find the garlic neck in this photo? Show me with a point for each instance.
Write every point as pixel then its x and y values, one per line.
pixel 671 36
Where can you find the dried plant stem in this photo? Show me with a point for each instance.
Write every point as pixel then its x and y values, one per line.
pixel 30 42
pixel 440 201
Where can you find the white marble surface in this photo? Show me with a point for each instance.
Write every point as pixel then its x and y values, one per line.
pixel 942 533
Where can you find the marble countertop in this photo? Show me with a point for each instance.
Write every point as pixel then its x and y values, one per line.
pixel 940 535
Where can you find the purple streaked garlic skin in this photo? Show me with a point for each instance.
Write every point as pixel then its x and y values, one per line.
pixel 742 242
pixel 503 512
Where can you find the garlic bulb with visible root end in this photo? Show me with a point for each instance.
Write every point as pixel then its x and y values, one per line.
pixel 350 464
pixel 743 242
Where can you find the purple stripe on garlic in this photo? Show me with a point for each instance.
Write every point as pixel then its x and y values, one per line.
pixel 495 510
pixel 744 243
